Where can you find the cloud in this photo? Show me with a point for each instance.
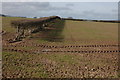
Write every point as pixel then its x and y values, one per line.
pixel 70 5
pixel 99 15
pixel 30 8
pixel 114 10
pixel 75 10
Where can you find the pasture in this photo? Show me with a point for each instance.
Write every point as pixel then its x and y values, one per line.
pixel 86 30
pixel 65 49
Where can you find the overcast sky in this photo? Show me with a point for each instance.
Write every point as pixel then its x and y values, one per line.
pixel 85 10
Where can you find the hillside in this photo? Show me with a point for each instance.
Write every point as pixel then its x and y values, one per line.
pixel 67 49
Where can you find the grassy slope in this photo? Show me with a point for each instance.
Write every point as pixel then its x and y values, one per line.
pixel 6 23
pixel 38 65
pixel 23 65
pixel 83 30
pixel 75 30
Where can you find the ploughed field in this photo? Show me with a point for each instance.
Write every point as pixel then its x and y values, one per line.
pixel 67 49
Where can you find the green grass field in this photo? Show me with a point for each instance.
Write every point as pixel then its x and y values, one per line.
pixel 61 65
pixel 90 30
pixel 22 65
pixel 76 30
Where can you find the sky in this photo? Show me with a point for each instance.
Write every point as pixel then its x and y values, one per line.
pixel 77 10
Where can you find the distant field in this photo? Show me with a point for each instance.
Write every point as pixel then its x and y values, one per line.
pixel 77 30
pixel 86 30
pixel 25 59
pixel 6 23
